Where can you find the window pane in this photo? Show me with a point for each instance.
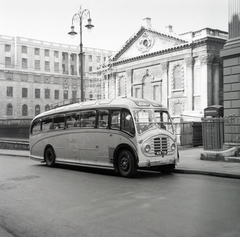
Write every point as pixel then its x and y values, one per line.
pixel 103 118
pixel 115 119
pixel 127 123
pixel 10 91
pixel 87 118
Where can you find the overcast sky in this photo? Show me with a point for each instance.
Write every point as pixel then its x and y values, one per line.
pixel 115 21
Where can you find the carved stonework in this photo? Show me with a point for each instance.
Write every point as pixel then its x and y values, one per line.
pixel 177 107
pixel 147 75
pixel 189 61
pixel 145 43
pixel 164 66
pixel 207 58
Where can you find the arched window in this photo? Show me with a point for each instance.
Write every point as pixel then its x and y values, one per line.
pixel 47 107
pixel 24 110
pixel 37 110
pixel 9 110
pixel 177 78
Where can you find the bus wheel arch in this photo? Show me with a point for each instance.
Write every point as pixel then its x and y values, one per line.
pixel 125 161
pixel 49 156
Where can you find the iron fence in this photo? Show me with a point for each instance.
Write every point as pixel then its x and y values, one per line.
pixel 221 132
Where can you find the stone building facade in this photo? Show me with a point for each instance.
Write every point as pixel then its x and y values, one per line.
pixel 184 71
pixel 231 62
pixel 36 74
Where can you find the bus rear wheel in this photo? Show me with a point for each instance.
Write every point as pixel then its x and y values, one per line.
pixel 50 157
pixel 126 164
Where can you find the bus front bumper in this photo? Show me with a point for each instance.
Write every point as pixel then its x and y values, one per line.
pixel 165 161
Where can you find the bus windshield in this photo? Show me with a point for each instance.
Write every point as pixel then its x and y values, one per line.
pixel 147 119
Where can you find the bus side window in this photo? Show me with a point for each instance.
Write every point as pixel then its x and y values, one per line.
pixel 36 127
pixel 115 120
pixel 127 123
pixel 103 118
pixel 47 124
pixel 72 120
pixel 59 122
pixel 88 118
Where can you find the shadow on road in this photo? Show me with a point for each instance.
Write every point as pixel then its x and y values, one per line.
pixel 141 174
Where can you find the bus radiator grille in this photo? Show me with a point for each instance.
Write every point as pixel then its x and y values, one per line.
pixel 161 145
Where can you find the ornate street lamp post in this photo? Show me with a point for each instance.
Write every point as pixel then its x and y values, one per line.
pixel 78 17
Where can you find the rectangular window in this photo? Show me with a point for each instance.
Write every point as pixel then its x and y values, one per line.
pixel 56 54
pixel 56 67
pixel 65 95
pixel 90 69
pixel 156 93
pixel 88 118
pixel 56 94
pixel 37 64
pixel 37 93
pixel 90 58
pixel 46 53
pixel 7 47
pixel 47 66
pixel 9 91
pixel 115 119
pixel 24 49
pixel 7 61
pixel 102 119
pixel 47 93
pixel 37 51
pixel 24 92
pixel 24 63
pixel 72 57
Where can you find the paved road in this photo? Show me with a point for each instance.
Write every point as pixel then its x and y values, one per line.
pixel 37 201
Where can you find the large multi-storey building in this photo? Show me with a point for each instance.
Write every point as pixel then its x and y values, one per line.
pixel 184 72
pixel 36 74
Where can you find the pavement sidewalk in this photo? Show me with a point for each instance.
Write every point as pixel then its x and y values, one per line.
pixel 190 163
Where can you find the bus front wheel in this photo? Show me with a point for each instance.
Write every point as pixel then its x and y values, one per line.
pixel 50 157
pixel 126 164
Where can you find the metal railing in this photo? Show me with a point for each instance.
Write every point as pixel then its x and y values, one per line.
pixel 221 132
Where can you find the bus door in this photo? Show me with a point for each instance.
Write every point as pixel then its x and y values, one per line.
pixel 103 138
pixel 87 137
pixel 71 137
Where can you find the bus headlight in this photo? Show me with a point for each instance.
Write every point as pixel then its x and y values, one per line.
pixel 173 147
pixel 147 148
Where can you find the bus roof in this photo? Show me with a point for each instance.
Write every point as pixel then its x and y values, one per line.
pixel 118 102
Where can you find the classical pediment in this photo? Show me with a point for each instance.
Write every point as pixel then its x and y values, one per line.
pixel 147 41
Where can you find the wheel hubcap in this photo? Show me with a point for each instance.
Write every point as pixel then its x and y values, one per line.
pixel 125 163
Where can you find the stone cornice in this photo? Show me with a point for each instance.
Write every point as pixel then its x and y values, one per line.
pixel 132 39
pixel 194 44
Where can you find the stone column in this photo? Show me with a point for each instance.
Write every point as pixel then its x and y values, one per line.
pixel 188 90
pixel 206 80
pixel 165 83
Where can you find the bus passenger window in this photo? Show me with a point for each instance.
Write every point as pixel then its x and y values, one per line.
pixel 115 119
pixel 88 118
pixel 36 127
pixel 46 124
pixel 59 122
pixel 103 118
pixel 72 120
pixel 127 123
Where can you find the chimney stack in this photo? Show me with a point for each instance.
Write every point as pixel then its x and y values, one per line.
pixel 147 22
pixel 169 28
